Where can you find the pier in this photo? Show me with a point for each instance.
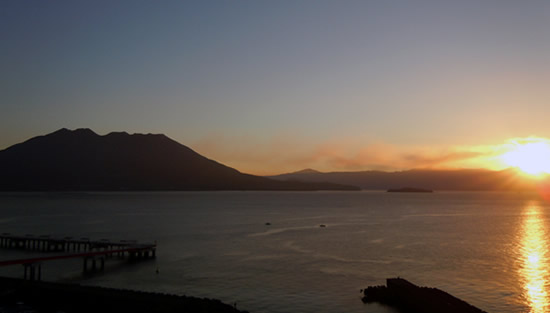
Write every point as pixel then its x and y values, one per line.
pixel 93 253
pixel 46 243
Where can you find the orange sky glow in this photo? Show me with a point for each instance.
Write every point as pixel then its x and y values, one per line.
pixel 269 87
pixel 289 153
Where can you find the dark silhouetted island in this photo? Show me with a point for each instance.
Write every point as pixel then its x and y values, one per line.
pixel 409 298
pixel 409 189
pixel 81 160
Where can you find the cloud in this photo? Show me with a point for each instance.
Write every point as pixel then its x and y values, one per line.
pixel 288 152
pixel 441 159
pixel 390 157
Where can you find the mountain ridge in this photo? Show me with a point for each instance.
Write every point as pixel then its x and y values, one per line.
pixel 450 179
pixel 81 160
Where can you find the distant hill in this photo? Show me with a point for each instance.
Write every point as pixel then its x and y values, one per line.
pixel 307 171
pixel 83 160
pixel 471 179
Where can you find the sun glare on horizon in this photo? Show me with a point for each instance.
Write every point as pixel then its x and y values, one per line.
pixel 531 157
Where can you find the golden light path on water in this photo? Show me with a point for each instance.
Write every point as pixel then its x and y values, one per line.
pixel 534 257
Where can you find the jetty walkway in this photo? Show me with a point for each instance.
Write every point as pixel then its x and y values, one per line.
pixel 93 253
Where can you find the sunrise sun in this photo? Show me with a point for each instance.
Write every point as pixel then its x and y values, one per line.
pixel 532 157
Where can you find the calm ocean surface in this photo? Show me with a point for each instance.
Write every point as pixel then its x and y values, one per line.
pixel 490 249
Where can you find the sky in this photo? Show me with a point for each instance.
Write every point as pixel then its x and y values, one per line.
pixel 277 86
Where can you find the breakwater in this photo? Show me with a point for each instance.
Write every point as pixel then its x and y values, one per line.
pixel 410 298
pixel 41 297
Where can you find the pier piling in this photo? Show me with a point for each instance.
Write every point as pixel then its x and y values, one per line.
pixel 95 251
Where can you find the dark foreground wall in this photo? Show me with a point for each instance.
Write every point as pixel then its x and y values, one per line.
pixel 409 298
pixel 42 297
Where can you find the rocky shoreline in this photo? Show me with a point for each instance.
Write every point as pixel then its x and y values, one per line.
pixel 410 298
pixel 17 295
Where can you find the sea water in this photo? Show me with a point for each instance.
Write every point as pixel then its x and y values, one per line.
pixel 268 251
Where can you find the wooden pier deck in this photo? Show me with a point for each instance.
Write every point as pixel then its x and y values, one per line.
pixel 46 243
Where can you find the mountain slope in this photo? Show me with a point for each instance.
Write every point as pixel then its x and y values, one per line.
pixel 84 160
pixel 467 179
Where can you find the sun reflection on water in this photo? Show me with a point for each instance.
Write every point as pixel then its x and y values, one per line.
pixel 534 259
